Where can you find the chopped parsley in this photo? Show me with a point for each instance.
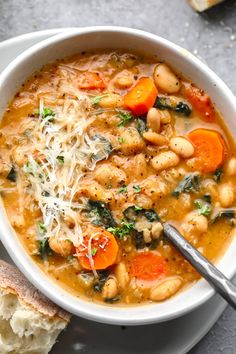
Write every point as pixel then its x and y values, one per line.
pixel 46 113
pixel 96 99
pixel 123 230
pixel 203 208
pixel 123 189
pixel 121 140
pixel 137 189
pixel 138 208
pixel 94 251
pixel 125 117
pixel 41 227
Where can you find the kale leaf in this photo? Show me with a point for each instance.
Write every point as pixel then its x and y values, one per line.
pixel 190 183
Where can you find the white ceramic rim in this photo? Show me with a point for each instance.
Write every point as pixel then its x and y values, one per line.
pixel 189 299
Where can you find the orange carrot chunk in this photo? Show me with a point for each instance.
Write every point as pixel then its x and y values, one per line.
pixel 148 266
pixel 90 80
pixel 209 149
pixel 100 253
pixel 201 102
pixel 142 96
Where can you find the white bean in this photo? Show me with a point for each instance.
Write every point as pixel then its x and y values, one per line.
pixel 153 119
pixel 122 275
pixel 124 81
pixel 231 167
pixel 165 79
pixel 165 289
pixel 226 195
pixel 109 289
pixel 165 160
pixel 63 247
pixel 156 230
pixel 110 100
pixel 155 139
pixel 182 147
pixel 194 223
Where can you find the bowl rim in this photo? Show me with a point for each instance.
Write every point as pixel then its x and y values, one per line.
pixel 93 311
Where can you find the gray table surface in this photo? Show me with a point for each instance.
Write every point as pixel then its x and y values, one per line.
pixel 211 36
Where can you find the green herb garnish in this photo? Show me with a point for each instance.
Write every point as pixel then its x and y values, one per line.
pixel 41 227
pixel 190 183
pixel 123 189
pixel 125 117
pixel 120 139
pixel 203 208
pixel 94 251
pixel 46 113
pixel 138 208
pixel 123 230
pixel 137 189
pixel 96 99
pixel 12 175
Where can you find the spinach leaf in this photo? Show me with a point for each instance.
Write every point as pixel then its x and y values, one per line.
pixel 44 248
pixel 207 198
pixel 99 283
pixel 163 103
pixel 181 107
pixel 139 240
pixel 12 175
pixel 224 213
pixel 141 125
pixel 218 174
pixel 133 211
pixel 113 299
pixel 190 183
pixel 103 145
pixel 151 215
pixel 100 215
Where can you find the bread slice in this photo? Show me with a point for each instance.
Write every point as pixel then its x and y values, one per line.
pixel 29 322
pixel 202 5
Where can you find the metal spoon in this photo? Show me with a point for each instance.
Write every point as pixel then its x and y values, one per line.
pixel 217 280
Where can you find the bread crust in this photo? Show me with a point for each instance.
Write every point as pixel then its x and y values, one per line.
pixel 13 281
pixel 202 5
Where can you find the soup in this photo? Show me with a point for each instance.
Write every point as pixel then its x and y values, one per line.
pixel 99 149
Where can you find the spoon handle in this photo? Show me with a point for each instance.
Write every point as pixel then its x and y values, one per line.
pixel 221 284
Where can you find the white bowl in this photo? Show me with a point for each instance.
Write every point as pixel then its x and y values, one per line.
pixel 131 40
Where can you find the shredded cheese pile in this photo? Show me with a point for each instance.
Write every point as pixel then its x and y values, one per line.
pixel 63 151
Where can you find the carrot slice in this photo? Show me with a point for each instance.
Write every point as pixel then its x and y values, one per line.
pixel 201 102
pixel 148 266
pixel 209 149
pixel 90 80
pixel 100 253
pixel 142 96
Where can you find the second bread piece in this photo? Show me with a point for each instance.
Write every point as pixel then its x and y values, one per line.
pixel 29 322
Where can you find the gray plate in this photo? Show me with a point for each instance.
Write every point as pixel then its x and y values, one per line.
pixel 82 336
